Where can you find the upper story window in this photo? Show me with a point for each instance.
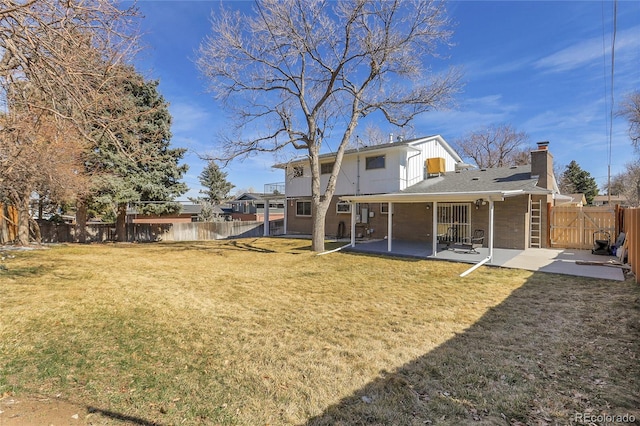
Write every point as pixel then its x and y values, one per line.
pixel 326 168
pixel 376 162
pixel 297 171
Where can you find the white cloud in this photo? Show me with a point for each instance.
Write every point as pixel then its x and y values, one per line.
pixel 187 117
pixel 474 114
pixel 588 52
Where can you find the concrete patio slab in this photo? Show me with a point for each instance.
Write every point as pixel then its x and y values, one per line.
pixel 559 261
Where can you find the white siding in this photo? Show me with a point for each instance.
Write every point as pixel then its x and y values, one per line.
pixel 404 166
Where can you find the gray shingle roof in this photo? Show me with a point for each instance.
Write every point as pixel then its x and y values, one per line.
pixel 495 179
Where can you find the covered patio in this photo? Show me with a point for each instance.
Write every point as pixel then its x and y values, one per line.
pixel 559 261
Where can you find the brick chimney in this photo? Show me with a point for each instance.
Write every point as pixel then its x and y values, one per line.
pixel 542 165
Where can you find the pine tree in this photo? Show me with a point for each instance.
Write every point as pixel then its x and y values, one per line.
pixel 215 182
pixel 575 180
pixel 140 168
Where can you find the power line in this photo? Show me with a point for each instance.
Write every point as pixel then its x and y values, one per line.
pixel 610 105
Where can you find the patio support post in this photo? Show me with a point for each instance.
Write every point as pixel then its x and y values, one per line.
pixel 434 236
pixel 266 218
pixel 491 219
pixel 286 213
pixel 354 207
pixel 389 227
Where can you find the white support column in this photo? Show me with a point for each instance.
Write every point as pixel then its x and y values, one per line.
pixel 491 218
pixel 286 212
pixel 389 227
pixel 434 221
pixel 266 219
pixel 354 207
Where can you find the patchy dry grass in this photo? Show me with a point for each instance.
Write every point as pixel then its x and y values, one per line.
pixel 263 331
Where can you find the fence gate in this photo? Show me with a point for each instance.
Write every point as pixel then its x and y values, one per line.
pixel 574 227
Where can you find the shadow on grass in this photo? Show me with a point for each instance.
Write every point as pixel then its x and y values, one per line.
pixel 24 272
pixel 229 244
pixel 555 348
pixel 122 417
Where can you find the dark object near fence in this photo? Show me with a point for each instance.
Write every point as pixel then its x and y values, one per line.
pixel 475 242
pixel 601 243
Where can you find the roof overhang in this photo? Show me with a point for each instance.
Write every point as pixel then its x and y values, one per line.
pixel 451 197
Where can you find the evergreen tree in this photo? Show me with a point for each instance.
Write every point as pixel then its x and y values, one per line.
pixel 137 166
pixel 215 182
pixel 575 180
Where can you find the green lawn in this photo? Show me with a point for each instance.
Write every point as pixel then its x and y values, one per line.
pixel 263 331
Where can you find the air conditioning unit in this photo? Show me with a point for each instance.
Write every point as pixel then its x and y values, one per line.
pixel 435 166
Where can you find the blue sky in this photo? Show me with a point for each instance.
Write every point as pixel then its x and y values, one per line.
pixel 542 67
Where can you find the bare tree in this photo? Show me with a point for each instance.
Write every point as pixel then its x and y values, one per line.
pixel 627 183
pixel 66 52
pixel 56 60
pixel 495 146
pixel 296 72
pixel 630 109
pixel 374 135
pixel 45 156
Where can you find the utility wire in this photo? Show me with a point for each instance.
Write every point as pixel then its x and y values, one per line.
pixel 613 61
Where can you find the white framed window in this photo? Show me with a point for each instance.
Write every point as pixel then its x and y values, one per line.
pixel 384 208
pixel 343 207
pixel 377 162
pixel 303 208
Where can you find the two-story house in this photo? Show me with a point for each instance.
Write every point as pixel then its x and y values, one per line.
pixel 430 192
pixel 366 170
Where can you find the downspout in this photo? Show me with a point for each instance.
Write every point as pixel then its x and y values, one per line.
pixel 490 257
pixel 358 174
pixel 491 227
pixel 406 173
pixel 358 165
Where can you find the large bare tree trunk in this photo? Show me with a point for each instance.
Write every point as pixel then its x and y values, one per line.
pixel 22 205
pixel 319 214
pixel 121 223
pixel 81 221
pixel 34 229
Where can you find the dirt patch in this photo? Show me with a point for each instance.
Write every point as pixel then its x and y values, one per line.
pixel 36 411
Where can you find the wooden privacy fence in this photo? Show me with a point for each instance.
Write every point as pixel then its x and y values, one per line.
pixel 631 221
pixel 574 227
pixel 150 232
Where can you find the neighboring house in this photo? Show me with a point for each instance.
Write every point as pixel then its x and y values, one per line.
pixel 603 200
pixel 251 206
pixel 189 213
pixel 575 200
pixel 368 170
pixel 222 211
pixel 510 204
